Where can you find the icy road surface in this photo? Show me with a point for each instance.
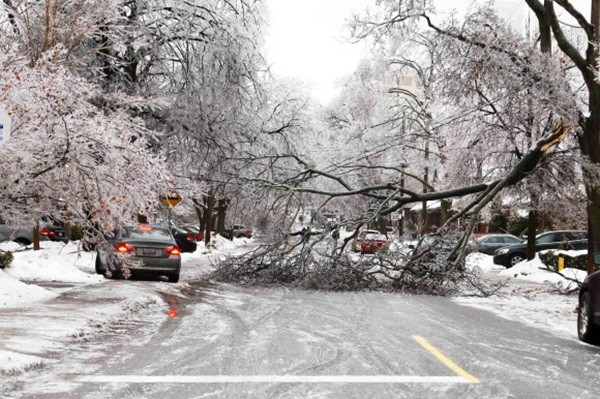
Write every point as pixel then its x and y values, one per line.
pixel 231 342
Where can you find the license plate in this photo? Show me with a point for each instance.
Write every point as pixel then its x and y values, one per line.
pixel 149 251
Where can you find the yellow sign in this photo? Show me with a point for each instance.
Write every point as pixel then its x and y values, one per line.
pixel 170 199
pixel 561 263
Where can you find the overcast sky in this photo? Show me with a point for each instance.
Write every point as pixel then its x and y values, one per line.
pixel 307 39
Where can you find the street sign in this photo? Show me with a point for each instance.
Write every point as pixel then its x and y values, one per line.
pixel 396 216
pixel 5 125
pixel 170 199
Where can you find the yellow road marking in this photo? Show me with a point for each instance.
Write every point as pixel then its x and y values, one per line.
pixel 446 361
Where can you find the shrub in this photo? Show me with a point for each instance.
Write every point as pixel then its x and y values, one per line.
pixel 550 259
pixel 518 225
pixel 498 224
pixel 5 258
pixel 76 233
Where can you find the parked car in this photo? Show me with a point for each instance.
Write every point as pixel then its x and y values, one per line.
pixel 357 242
pixel 374 242
pixel 52 231
pixel 195 233
pixel 588 311
pixel 562 239
pixel 153 245
pixel 489 243
pixel 239 230
pixel 185 240
pixel 24 235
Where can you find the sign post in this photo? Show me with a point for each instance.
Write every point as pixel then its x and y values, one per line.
pixel 5 124
pixel 169 200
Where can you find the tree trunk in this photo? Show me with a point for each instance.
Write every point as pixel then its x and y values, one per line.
pixel 445 211
pixel 208 219
pixel 221 213
pixel 532 224
pixel 199 207
pixel 36 237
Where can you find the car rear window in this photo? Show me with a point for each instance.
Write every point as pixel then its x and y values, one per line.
pixel 147 232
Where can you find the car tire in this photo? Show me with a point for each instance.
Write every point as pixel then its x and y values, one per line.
pixel 587 331
pixel 173 278
pixel 514 259
pixel 23 241
pixel 98 265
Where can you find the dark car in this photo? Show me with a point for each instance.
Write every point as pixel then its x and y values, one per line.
pixel 489 243
pixel 194 233
pixel 52 231
pixel 562 239
pixel 588 311
pixel 185 240
pixel 154 246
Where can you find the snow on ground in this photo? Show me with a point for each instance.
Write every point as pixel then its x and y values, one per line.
pixel 18 361
pixel 15 293
pixel 535 271
pixel 481 262
pixel 531 294
pixel 55 262
pixel 551 312
pixel 36 321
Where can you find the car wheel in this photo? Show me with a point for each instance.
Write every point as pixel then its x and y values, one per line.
pixel 99 269
pixel 23 241
pixel 514 259
pixel 586 329
pixel 173 278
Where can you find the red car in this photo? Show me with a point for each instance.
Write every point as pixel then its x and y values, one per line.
pixel 374 243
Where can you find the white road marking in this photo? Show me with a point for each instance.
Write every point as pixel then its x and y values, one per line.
pixel 286 379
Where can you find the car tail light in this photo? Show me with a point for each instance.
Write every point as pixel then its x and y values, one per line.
pixel 191 237
pixel 174 250
pixel 124 248
pixel 145 228
pixel 45 231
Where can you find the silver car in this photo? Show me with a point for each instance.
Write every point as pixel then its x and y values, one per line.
pixel 154 247
pixel 24 235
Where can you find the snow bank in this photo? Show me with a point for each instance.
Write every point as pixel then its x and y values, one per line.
pixel 17 362
pixel 55 262
pixel 535 271
pixel 222 243
pixel 15 293
pixel 478 261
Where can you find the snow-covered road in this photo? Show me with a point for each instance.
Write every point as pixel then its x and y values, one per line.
pixel 231 342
